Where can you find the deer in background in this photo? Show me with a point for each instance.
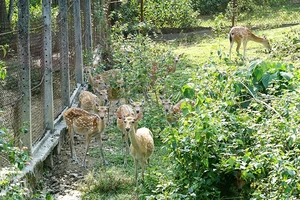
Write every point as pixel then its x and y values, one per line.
pixel 96 81
pixel 90 102
pixel 241 34
pixel 142 143
pixel 126 111
pixel 84 123
pixel 171 111
pixel 155 67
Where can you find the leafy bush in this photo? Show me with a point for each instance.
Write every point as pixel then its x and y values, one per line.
pixel 157 15
pixel 170 14
pixel 219 137
pixel 210 7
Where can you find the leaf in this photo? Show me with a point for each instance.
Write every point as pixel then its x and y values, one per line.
pixel 286 75
pixel 231 161
pixel 188 90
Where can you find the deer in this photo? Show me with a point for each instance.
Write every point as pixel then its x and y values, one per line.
pixel 171 111
pixel 88 124
pixel 125 111
pixel 90 102
pixel 241 34
pixel 95 81
pixel 142 143
pixel 155 68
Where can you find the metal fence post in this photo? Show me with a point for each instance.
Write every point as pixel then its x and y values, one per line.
pixel 48 84
pixel 78 43
pixel 64 53
pixel 24 58
pixel 88 25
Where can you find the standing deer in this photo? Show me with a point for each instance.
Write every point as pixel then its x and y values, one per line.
pixel 171 111
pixel 126 111
pixel 84 123
pixel 142 144
pixel 241 34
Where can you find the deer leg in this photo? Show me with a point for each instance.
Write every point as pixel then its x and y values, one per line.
pixel 238 47
pixel 72 148
pixel 105 163
pixel 245 45
pixel 231 44
pixel 87 143
pixel 136 171
pixel 125 142
pixel 143 169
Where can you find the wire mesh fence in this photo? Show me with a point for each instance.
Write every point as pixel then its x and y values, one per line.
pixel 11 94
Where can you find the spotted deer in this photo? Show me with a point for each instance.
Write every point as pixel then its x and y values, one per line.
pixel 142 143
pixel 172 111
pixel 126 111
pixel 90 102
pixel 241 34
pixel 84 123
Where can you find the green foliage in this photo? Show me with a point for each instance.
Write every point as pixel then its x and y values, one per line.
pixel 170 14
pixel 17 159
pixel 218 137
pixel 157 15
pixel 210 7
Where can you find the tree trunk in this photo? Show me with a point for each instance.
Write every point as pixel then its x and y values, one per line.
pixel 11 10
pixel 4 22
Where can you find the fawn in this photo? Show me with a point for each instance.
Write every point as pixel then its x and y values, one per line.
pixel 241 34
pixel 87 124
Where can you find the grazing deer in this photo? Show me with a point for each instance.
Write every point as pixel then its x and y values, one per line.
pixel 142 143
pixel 241 34
pixel 171 110
pixel 126 111
pixel 90 102
pixel 84 123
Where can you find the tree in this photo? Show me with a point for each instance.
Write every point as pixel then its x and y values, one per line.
pixel 4 20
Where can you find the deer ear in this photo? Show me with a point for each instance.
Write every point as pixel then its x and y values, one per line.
pixel 96 103
pixel 161 98
pixel 130 101
pixel 171 97
pixel 264 37
pixel 143 101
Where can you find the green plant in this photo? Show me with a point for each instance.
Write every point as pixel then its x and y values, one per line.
pixel 219 136
pixel 17 159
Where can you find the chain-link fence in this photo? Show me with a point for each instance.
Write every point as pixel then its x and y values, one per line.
pixel 62 65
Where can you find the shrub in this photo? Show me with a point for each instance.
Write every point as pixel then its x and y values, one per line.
pixel 220 136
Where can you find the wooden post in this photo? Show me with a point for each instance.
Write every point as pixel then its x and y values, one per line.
pixel 88 25
pixel 233 13
pixel 25 83
pixel 64 53
pixel 142 10
pixel 48 82
pixel 78 43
